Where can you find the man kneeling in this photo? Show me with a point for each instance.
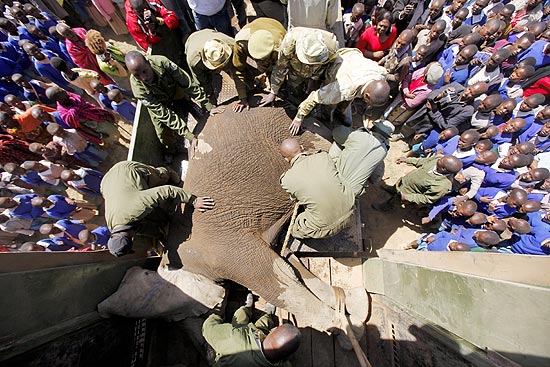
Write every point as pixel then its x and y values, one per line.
pixel 326 184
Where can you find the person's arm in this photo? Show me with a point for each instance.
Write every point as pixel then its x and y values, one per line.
pixel 152 197
pixel 476 177
pixel 239 62
pixel 333 11
pixel 330 94
pixel 419 98
pixel 441 205
pixel 460 116
pixel 280 70
pixel 417 162
pixel 93 172
pixel 169 18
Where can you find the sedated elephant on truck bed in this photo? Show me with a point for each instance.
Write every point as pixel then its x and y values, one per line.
pixel 237 162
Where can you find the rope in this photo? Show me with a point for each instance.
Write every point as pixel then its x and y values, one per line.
pixel 290 226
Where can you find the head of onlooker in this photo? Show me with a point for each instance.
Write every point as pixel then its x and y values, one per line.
pixel 483 145
pixel 532 102
pixel 437 29
pixel 56 130
pixel 66 32
pixel 473 91
pixel 31 247
pixel 506 107
pixel 59 95
pixel 519 226
pixel 514 161
pixel 466 55
pixel 514 125
pixel 115 95
pixel 36 32
pixel 490 103
pixel 486 238
pixel 521 74
pixel 486 158
pixel 522 148
pixel 459 18
pixel 32 50
pixel 14 101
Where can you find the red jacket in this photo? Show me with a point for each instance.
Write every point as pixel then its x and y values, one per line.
pixel 139 30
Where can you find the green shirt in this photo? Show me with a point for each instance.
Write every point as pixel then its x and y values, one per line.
pixel 423 185
pixel 236 346
pixel 313 182
pixel 129 195
pixel 171 83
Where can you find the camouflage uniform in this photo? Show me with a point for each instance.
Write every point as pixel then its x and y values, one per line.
pixel 289 64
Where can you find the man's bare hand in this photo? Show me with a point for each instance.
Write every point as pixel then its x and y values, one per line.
pixel 204 203
pixel 447 76
pixel 426 220
pixel 217 110
pixel 267 100
pixel 241 105
pixel 295 126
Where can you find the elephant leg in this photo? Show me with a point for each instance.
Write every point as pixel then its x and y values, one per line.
pixel 261 270
pixel 356 299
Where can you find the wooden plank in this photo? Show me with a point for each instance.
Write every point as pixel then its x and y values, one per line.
pixel 321 268
pixel 346 273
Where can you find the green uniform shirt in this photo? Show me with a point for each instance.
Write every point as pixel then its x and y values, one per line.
pixel 171 83
pixel 313 182
pixel 236 346
pixel 130 196
pixel 240 51
pixel 193 51
pixel 423 186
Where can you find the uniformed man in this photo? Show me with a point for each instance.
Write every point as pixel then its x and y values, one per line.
pixel 353 77
pixel 161 85
pixel 208 51
pixel 303 56
pixel 132 191
pixel 251 340
pixel 326 184
pixel 260 41
pixel 429 182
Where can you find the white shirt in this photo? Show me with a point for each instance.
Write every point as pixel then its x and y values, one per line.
pixel 206 7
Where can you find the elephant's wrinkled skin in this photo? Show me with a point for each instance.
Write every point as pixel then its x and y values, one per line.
pixel 238 163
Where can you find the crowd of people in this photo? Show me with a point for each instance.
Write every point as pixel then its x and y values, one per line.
pixel 464 83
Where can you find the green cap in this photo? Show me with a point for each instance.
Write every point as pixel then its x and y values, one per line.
pixel 261 44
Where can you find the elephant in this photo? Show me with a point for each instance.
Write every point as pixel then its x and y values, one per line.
pixel 237 162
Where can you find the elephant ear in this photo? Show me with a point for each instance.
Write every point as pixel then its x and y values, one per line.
pixel 271 234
